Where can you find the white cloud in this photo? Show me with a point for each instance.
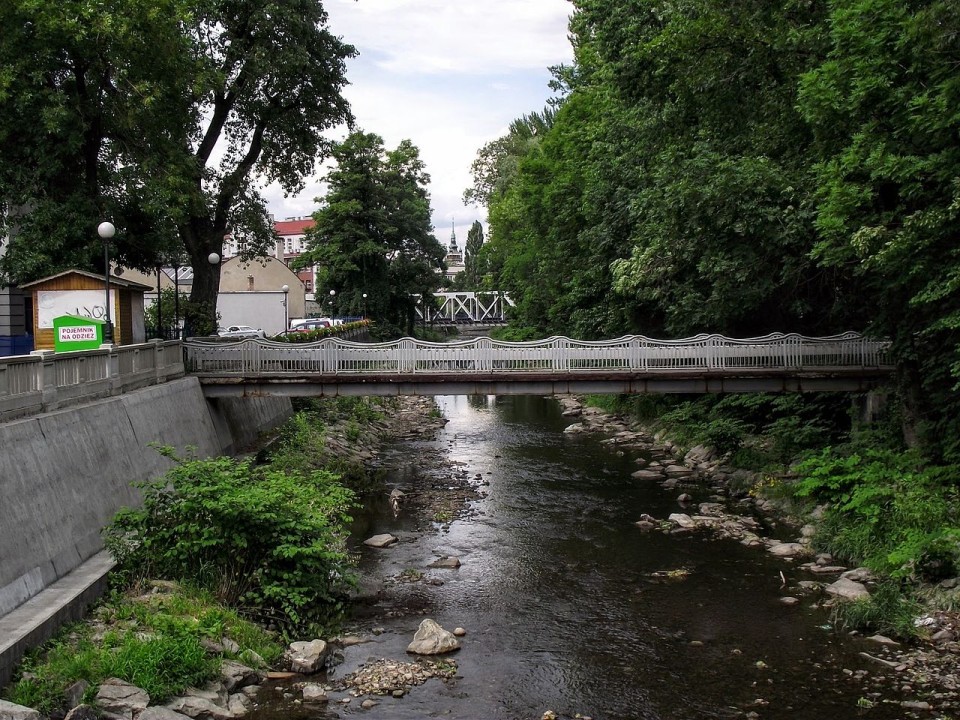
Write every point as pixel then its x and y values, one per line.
pixel 417 37
pixel 449 75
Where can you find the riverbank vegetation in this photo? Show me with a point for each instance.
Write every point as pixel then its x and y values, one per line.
pixel 265 539
pixel 875 502
pixel 226 559
pixel 155 635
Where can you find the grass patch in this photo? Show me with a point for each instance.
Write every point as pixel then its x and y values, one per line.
pixel 887 611
pixel 151 640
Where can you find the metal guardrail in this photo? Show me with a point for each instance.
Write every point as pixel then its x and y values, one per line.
pixel 45 380
pixel 560 355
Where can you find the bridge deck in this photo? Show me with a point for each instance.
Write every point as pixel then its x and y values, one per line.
pixel 633 364
pixel 717 381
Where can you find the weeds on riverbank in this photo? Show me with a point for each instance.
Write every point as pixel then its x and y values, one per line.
pixel 152 637
pixel 759 431
pixel 889 610
pixel 256 537
pixel 886 510
pixel 307 441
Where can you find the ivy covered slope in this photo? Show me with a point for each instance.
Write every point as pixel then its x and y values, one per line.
pixel 749 168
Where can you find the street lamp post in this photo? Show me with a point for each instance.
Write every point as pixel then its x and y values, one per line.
pixel 160 332
pixel 176 298
pixel 214 259
pixel 286 311
pixel 106 230
pixel 333 307
pixel 364 306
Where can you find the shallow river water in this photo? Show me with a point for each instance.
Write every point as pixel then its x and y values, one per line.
pixel 556 594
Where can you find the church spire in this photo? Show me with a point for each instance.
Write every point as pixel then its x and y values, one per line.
pixel 453 236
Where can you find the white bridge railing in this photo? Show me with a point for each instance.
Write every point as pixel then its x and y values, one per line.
pixel 46 380
pixel 630 354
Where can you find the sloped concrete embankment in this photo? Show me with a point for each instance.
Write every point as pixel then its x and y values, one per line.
pixel 64 474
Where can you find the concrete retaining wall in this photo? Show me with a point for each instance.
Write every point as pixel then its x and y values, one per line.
pixel 64 474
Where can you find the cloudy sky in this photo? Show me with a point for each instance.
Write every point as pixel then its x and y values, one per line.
pixel 450 75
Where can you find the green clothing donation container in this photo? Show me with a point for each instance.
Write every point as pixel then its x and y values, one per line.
pixel 72 332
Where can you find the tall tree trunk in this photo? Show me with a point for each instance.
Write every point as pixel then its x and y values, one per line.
pixel 201 238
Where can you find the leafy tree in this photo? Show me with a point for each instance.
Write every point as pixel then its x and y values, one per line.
pixel 885 107
pixel 714 160
pixel 373 233
pixel 497 161
pixel 82 83
pixel 474 269
pixel 160 116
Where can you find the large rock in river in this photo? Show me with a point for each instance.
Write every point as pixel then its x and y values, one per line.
pixel 381 541
pixel 847 589
pixel 307 656
pixel 431 639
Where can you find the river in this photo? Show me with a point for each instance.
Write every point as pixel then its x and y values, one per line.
pixel 558 594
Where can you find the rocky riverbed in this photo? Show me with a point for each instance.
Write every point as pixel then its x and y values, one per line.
pixel 712 499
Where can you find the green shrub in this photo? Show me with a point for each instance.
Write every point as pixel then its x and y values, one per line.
pixel 792 435
pixel 725 434
pixel 887 610
pixel 257 538
pixel 886 510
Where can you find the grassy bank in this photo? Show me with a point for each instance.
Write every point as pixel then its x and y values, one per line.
pixel 153 635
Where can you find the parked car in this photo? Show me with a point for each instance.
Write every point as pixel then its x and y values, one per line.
pixel 309 325
pixel 240 331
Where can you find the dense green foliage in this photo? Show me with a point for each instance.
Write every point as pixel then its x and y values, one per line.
pixel 160 116
pixel 373 233
pixel 257 537
pixel 301 445
pixel 153 642
pixel 885 510
pixel 741 169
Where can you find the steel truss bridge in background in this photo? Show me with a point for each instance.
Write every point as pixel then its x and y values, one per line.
pixel 486 308
pixel 557 365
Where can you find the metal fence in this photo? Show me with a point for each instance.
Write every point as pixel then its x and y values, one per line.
pixel 630 354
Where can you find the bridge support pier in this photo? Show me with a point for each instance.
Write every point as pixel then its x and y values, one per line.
pixel 871 406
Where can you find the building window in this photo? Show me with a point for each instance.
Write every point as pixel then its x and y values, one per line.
pixel 309 286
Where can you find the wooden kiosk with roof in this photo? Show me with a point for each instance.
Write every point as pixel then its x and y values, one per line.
pixel 80 293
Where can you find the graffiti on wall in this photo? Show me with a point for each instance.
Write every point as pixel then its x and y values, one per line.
pixel 83 303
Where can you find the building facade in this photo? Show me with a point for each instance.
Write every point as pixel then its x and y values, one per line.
pixel 291 243
pixel 454 258
pixel 15 308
